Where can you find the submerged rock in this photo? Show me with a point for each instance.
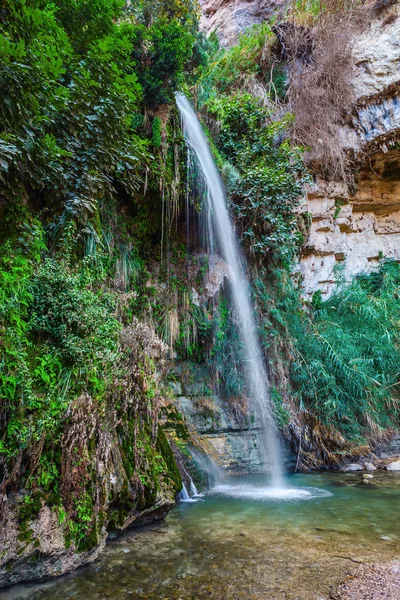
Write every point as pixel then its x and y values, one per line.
pixel 371 583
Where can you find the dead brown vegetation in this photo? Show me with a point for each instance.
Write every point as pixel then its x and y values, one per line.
pixel 318 49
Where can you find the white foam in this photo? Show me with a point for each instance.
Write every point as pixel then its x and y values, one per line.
pixel 251 492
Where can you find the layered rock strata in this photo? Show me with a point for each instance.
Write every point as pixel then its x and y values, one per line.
pixel 221 427
pixel 348 230
pixel 356 230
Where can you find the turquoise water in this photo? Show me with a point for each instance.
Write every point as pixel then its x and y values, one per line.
pixel 233 547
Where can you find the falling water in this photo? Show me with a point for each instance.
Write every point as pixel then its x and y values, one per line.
pixel 208 466
pixel 193 488
pixel 258 383
pixel 184 494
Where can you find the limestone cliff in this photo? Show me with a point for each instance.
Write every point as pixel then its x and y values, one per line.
pixel 356 229
pixel 228 18
pixel 348 228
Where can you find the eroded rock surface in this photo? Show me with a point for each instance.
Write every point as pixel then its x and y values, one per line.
pixel 356 230
pixel 223 428
pixel 228 18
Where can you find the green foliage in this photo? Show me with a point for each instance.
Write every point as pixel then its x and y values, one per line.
pixel 66 117
pixel 308 12
pixel 156 133
pixel 80 79
pixel 168 47
pixel 170 469
pixel 73 317
pixel 60 338
pixel 16 269
pixel 75 15
pixel 345 351
pixel 271 175
pixel 234 69
pixel 282 414
pixel 227 353
pixel 75 75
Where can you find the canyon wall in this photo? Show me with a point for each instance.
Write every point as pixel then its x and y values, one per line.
pixel 228 18
pixel 221 428
pixel 356 229
pixel 349 230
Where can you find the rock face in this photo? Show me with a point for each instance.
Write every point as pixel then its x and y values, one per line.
pixel 353 231
pixel 45 555
pixel 354 467
pixel 348 230
pixel 41 546
pixel 356 230
pixel 228 18
pixel 369 466
pixel 394 466
pixel 393 448
pixel 105 483
pixel 224 430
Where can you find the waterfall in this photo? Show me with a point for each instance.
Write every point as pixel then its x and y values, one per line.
pixel 183 494
pixel 257 379
pixel 208 466
pixel 193 488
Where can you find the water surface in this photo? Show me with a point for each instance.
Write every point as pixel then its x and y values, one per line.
pixel 235 545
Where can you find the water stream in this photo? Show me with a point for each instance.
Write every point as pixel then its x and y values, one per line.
pixel 257 378
pixel 244 547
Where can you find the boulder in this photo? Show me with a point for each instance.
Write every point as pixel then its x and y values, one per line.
pixel 176 388
pixel 354 467
pixel 369 466
pixel 394 466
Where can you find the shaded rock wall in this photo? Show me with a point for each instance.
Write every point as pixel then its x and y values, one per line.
pixel 115 469
pixel 225 431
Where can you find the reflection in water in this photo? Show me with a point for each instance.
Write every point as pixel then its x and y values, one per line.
pixel 240 546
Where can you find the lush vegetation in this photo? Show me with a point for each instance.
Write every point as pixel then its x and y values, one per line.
pixel 334 364
pixel 82 141
pixel 270 176
pixel 93 177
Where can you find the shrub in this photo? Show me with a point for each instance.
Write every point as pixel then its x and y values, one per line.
pixel 271 175
pixel 344 352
